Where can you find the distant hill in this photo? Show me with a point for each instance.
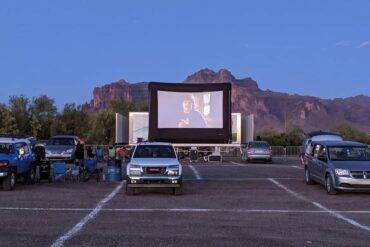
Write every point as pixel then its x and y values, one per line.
pixel 269 108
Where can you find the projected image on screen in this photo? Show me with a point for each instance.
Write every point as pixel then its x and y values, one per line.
pixel 190 110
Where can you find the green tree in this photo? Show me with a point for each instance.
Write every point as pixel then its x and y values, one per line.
pixel 8 123
pixel 294 137
pixel 72 121
pixel 351 133
pixel 20 110
pixel 103 128
pixel 45 111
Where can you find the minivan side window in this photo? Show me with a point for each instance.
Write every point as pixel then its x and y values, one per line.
pixel 322 154
pixel 316 150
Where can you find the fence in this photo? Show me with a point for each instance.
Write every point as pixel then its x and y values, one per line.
pixel 277 151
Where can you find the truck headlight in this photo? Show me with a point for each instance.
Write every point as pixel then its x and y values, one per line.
pixel 134 170
pixel 173 170
pixel 342 172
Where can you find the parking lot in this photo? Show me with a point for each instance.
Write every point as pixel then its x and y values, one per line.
pixel 223 204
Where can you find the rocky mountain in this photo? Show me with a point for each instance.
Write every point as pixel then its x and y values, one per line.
pixel 270 109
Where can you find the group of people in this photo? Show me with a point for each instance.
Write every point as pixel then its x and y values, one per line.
pixel 113 153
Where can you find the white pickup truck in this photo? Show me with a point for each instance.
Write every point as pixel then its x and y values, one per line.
pixel 154 165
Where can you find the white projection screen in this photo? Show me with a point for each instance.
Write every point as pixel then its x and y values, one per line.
pixel 190 109
pixel 190 112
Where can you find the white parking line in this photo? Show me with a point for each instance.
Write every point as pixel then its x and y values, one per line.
pixel 60 241
pixel 238 164
pixel 196 172
pixel 264 165
pixel 191 210
pixel 239 179
pixel 323 208
pixel 301 168
pixel 339 216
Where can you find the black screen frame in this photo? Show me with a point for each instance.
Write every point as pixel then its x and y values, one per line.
pixel 189 135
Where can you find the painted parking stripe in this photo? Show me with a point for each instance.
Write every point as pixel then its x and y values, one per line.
pixel 323 208
pixel 191 210
pixel 239 179
pixel 298 167
pixel 264 165
pixel 196 172
pixel 78 227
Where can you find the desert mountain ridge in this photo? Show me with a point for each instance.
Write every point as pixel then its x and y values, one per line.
pixel 270 108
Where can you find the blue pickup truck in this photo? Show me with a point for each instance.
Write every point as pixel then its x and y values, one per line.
pixel 16 160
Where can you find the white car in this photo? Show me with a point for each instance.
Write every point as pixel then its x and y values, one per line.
pixel 154 165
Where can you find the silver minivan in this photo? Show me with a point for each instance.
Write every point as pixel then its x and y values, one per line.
pixel 338 165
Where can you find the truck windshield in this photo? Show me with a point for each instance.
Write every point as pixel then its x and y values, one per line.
pixel 62 141
pixel 6 148
pixel 154 151
pixel 349 153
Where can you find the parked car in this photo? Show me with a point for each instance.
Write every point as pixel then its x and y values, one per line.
pixel 16 159
pixel 61 148
pixel 154 165
pixel 317 136
pixel 338 165
pixel 256 150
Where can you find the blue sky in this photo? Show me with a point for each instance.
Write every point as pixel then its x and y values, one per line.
pixel 66 48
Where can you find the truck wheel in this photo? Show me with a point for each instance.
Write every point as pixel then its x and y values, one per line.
pixel 177 191
pixel 329 186
pixel 9 181
pixel 130 191
pixel 30 176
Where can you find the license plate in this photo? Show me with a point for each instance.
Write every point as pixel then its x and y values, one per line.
pixel 154 169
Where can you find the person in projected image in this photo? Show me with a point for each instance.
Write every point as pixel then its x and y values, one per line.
pixel 190 118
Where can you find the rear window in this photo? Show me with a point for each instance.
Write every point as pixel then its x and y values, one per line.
pixel 258 145
pixel 154 151
pixel 62 141
pixel 6 148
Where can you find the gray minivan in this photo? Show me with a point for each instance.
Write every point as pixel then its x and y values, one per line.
pixel 338 165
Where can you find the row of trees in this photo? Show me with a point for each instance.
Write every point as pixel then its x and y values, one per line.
pixel 294 136
pixel 40 118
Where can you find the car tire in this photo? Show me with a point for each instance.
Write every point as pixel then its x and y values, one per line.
pixel 9 181
pixel 51 177
pixel 329 185
pixel 307 176
pixel 30 176
pixel 177 191
pixel 130 191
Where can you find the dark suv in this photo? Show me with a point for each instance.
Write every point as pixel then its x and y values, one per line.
pixel 338 165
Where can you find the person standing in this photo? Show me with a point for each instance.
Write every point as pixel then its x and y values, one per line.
pixel 79 154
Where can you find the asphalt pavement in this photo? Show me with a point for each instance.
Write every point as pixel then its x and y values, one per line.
pixel 223 204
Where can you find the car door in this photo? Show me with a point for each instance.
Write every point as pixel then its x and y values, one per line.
pixel 21 157
pixel 322 162
pixel 315 165
pixel 309 159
